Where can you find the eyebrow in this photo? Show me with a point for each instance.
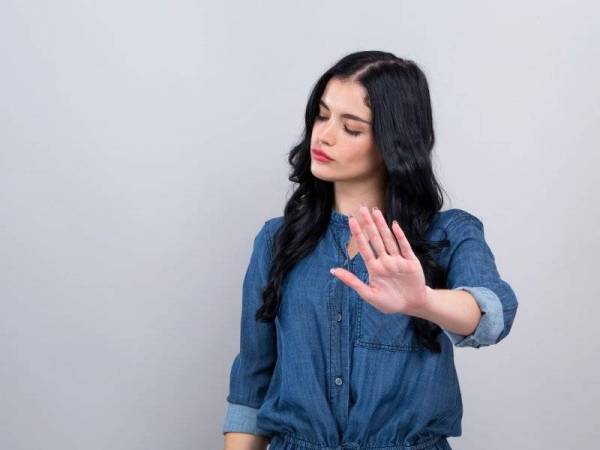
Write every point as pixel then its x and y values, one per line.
pixel 346 115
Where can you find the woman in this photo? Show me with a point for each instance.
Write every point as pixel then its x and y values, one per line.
pixel 355 357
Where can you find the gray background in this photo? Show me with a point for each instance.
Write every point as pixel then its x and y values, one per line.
pixel 144 143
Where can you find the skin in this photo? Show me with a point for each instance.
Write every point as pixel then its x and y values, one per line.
pixel 244 441
pixel 396 277
pixel 358 171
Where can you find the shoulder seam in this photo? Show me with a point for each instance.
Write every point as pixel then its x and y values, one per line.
pixel 463 216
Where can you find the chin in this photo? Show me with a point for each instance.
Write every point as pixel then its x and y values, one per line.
pixel 322 174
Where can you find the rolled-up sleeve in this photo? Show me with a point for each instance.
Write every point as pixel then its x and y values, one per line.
pixel 252 367
pixel 472 267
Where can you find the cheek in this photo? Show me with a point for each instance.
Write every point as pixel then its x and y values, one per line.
pixel 361 151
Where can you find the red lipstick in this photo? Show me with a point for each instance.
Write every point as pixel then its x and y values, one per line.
pixel 320 155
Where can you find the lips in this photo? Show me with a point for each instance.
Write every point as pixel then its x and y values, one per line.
pixel 321 153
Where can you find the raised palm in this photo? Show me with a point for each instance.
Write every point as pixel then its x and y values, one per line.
pixel 396 278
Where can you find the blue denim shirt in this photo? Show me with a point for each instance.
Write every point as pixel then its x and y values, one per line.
pixel 333 372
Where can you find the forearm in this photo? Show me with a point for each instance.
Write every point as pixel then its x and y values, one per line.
pixel 244 441
pixel 454 310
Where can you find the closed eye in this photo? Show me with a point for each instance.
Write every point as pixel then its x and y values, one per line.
pixel 351 132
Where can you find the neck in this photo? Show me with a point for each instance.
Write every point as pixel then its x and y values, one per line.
pixel 349 196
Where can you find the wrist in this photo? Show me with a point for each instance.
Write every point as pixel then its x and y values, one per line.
pixel 425 311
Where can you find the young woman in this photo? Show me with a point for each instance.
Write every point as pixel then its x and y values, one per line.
pixel 362 356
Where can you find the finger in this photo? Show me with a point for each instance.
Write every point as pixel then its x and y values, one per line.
pixel 361 239
pixel 372 230
pixel 405 247
pixel 391 245
pixel 349 279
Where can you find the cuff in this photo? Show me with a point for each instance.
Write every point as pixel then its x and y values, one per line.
pixel 241 419
pixel 491 323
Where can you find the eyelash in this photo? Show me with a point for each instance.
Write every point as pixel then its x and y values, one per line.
pixel 353 133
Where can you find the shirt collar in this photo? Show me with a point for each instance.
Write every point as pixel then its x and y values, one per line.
pixel 338 219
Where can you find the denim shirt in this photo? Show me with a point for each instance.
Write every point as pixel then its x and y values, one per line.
pixel 333 372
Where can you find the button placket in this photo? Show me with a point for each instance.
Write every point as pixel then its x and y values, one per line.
pixel 339 350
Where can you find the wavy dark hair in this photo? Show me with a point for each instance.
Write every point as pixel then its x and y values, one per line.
pixel 402 126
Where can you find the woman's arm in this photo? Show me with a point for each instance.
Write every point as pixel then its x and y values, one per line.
pixel 453 310
pixel 245 441
pixel 252 368
pixel 478 307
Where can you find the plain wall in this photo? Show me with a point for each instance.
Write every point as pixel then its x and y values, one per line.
pixel 143 144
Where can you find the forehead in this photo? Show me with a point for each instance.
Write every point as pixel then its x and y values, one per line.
pixel 346 97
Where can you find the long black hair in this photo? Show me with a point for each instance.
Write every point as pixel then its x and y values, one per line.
pixel 402 126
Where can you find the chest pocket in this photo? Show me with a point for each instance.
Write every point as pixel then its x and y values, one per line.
pixel 378 330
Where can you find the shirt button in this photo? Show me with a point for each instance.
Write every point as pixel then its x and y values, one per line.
pixel 338 381
pixel 339 317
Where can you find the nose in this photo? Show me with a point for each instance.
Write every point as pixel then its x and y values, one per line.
pixel 326 134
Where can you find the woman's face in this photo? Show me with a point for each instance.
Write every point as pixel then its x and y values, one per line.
pixel 343 131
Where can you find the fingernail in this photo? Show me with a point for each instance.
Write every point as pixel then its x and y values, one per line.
pixel 332 270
